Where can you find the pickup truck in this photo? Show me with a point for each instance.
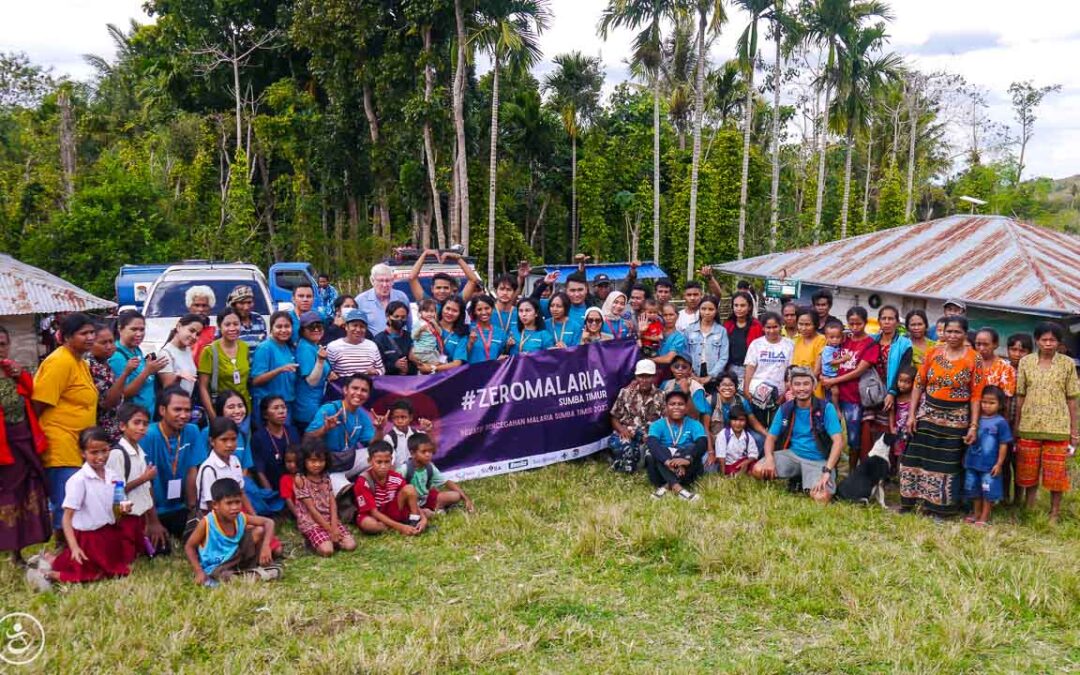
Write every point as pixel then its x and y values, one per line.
pixel 165 302
pixel 133 282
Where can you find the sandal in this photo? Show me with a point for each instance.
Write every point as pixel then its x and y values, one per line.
pixel 39 561
pixel 659 493
pixel 270 572
pixel 38 581
pixel 969 519
pixel 689 496
pixel 980 523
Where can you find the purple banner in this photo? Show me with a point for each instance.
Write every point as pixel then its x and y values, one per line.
pixel 519 413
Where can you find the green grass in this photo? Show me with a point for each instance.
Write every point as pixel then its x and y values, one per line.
pixel 574 569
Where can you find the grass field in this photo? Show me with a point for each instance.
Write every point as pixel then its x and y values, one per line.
pixel 571 568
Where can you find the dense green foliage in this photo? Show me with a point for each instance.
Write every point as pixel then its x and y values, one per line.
pixel 260 130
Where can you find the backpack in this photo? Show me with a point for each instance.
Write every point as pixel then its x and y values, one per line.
pixel 871 389
pixel 817 425
pixel 410 471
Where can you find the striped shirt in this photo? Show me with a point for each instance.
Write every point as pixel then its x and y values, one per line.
pixel 346 358
pixel 368 500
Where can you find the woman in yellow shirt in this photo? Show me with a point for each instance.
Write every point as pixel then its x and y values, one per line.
pixel 65 401
pixel 808 346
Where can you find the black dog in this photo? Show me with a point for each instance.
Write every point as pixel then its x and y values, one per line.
pixel 867 482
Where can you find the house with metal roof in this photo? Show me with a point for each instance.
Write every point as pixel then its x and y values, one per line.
pixel 25 293
pixel 1009 273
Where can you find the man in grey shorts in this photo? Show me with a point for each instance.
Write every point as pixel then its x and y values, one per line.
pixel 810 437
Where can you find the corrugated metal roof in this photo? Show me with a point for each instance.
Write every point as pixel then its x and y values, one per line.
pixel 28 290
pixel 992 261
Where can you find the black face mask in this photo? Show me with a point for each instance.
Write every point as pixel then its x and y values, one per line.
pixel 396 324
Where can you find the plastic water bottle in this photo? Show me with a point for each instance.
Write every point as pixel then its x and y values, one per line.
pixel 119 497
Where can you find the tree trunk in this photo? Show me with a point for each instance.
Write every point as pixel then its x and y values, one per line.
pixel 847 180
pixel 748 120
pixel 913 113
pixel 380 190
pixel 236 85
pixel 656 169
pixel 461 172
pixel 67 146
pixel 573 194
pixel 493 165
pixel 774 196
pixel 821 168
pixel 869 171
pixel 429 145
pixel 699 104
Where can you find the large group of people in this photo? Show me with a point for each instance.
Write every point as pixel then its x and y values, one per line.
pixel 238 423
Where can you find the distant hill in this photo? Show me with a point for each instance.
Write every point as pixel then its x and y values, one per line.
pixel 1066 190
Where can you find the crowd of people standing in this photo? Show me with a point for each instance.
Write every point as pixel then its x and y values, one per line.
pixel 277 407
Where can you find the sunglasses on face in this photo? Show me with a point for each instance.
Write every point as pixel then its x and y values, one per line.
pixel 679 366
pixel 592 320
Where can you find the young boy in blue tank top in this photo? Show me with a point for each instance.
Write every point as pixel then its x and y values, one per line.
pixel 228 541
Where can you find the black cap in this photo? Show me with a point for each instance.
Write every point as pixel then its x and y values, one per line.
pixel 601 279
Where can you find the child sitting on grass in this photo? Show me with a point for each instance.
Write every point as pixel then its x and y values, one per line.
pixel 228 541
pixel 983 461
pixel 383 500
pixel 128 461
pixel 734 448
pixel 291 460
pixel 316 508
pixel 401 429
pixel 434 492
pixel 96 547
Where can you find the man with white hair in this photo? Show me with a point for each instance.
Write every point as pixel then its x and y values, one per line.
pixel 201 300
pixel 373 301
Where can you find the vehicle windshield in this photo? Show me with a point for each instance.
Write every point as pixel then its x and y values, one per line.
pixel 168 299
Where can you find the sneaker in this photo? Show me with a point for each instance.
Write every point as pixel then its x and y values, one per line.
pixel 37 580
pixel 659 493
pixel 689 496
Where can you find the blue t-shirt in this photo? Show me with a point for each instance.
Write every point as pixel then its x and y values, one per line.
pixel 983 455
pixel 455 346
pixel 696 393
pixel 802 437
pixel 488 344
pixel 676 342
pixel 173 458
pixel 568 332
pixel 506 321
pixel 354 428
pixel 677 434
pixel 618 328
pixel 308 398
pixel 119 359
pixel 531 341
pixel 271 354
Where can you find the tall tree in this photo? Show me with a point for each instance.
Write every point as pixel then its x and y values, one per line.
pixel 747 48
pixel 574 87
pixel 647 58
pixel 863 75
pixel 825 23
pixel 510 32
pixel 1026 98
pixel 710 17
pixel 677 69
pixel 459 219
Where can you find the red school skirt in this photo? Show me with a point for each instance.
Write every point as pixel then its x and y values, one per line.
pixel 107 555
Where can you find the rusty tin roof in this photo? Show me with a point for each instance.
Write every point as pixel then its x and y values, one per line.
pixel 991 261
pixel 25 289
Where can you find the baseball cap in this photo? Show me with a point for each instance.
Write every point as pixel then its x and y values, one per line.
pixel 682 355
pixel 601 279
pixel 240 293
pixel 355 314
pixel 955 303
pixel 645 367
pixel 308 318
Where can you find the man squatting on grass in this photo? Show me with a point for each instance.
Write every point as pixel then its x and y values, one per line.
pixel 801 426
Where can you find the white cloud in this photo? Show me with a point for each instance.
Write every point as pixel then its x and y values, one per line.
pixel 1037 40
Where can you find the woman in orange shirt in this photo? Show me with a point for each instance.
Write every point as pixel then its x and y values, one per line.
pixel 946 397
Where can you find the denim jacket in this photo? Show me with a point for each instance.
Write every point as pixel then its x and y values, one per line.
pixel 711 348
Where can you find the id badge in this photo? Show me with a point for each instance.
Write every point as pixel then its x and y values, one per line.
pixel 442 358
pixel 236 377
pixel 673 450
pixel 173 489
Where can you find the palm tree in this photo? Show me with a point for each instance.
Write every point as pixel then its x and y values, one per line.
pixel 677 67
pixel 710 17
pixel 786 31
pixel 574 86
pixel 727 91
pixel 863 75
pixel 747 51
pixel 647 57
pixel 825 23
pixel 510 32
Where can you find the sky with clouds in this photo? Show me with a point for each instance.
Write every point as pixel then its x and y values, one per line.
pixel 991 43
